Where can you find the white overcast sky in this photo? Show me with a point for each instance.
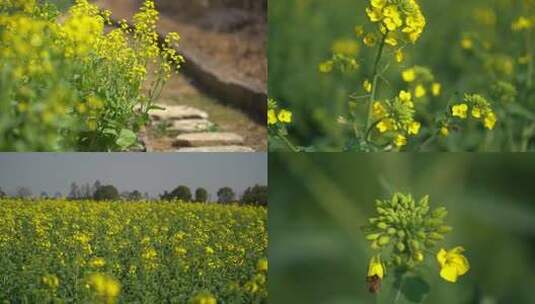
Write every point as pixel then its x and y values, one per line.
pixel 146 172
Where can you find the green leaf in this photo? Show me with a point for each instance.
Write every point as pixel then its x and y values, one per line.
pixel 127 138
pixel 414 289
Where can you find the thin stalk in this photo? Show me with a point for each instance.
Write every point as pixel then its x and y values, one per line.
pixel 375 77
pixel 530 60
pixel 287 142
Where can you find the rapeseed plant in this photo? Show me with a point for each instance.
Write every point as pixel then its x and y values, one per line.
pixel 402 233
pixel 68 84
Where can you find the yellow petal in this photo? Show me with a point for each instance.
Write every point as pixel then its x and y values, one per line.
pixel 441 257
pixel 449 274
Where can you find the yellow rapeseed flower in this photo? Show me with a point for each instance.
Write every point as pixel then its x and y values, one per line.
pixel 467 43
pixel 444 131
pixel 51 281
pixel 262 265
pixel 420 91
pixel 452 264
pixel 460 110
pixel 408 75
pixel 436 88
pixel 490 121
pixel 414 128
pixel 399 56
pixel 376 267
pixel 285 116
pixel 272 117
pixel 400 140
pixel 105 287
pixel 367 86
pixel 378 110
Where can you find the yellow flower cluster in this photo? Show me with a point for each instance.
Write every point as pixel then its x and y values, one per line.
pixel 277 116
pixel 523 23
pixel 106 287
pixel 479 108
pixel 398 20
pixel 115 247
pixel 421 81
pixel 55 66
pixel 397 118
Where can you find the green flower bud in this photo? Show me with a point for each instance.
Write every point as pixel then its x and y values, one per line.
pixel 418 256
pixel 373 236
pixel 391 231
pixel 436 236
pixel 374 245
pixel 424 201
pixel 445 229
pixel 400 247
pixel 421 234
pixel 381 210
pixel 440 212
pixel 382 225
pixel 397 260
pixel 401 234
pixel 430 243
pixel 415 245
pixel 383 240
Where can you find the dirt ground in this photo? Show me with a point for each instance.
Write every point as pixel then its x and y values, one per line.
pixel 231 38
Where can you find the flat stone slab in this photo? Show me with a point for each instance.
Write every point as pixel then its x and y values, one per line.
pixel 188 125
pixel 177 113
pixel 208 139
pixel 217 149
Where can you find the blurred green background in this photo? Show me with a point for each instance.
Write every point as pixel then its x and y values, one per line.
pixel 301 33
pixel 318 202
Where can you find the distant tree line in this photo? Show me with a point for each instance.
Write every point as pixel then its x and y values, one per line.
pixel 255 195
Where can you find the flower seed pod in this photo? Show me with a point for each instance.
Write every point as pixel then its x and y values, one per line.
pixel 415 245
pixel 400 247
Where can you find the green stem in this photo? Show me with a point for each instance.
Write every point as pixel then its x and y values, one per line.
pixel 530 60
pixel 375 78
pixel 288 143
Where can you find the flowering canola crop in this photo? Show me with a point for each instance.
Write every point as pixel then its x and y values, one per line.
pixel 123 252
pixel 68 82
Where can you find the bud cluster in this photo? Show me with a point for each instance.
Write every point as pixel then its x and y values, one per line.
pixel 405 229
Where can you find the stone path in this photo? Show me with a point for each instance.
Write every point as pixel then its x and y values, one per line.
pixel 189 130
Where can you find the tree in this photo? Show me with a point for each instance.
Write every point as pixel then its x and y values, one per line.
pixel 58 195
pixel 106 193
pixel 44 194
pixel 225 195
pixel 201 195
pixel 86 192
pixel 165 196
pixel 24 192
pixel 95 187
pixel 182 193
pixel 2 193
pixel 256 195
pixel 75 191
pixel 135 196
